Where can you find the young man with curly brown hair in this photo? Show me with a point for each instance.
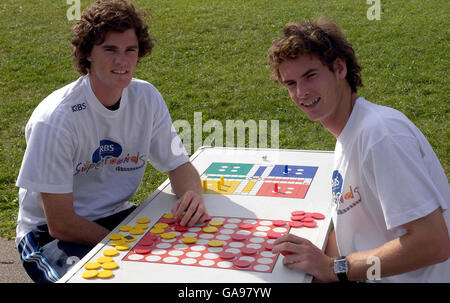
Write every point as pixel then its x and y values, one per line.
pixel 88 144
pixel 390 193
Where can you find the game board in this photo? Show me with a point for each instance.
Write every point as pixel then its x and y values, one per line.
pixel 140 250
pixel 283 181
pixel 238 243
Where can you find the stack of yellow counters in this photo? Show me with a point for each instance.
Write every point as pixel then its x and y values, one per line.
pixel 105 265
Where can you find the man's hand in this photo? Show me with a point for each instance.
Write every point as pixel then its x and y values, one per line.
pixel 192 204
pixel 303 255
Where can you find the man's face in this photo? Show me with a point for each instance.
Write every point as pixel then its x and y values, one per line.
pixel 315 89
pixel 113 62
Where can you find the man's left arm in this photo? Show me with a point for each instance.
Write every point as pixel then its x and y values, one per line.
pixel 425 243
pixel 186 184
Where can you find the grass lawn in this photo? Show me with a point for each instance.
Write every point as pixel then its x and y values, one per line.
pixel 211 58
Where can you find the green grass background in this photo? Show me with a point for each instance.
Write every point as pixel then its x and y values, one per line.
pixel 210 57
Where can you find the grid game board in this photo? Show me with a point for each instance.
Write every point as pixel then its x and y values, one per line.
pixel 284 181
pixel 235 243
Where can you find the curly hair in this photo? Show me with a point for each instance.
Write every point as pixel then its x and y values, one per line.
pixel 100 18
pixel 322 38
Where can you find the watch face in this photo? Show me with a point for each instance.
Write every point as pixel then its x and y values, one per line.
pixel 340 266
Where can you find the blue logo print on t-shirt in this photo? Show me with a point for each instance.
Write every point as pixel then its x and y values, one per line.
pixel 336 186
pixel 107 148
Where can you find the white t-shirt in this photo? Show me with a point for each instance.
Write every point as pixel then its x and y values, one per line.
pixel 385 175
pixel 75 144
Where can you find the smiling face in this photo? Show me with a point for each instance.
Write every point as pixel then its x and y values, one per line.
pixel 323 95
pixel 112 65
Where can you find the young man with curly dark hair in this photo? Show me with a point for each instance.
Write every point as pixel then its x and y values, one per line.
pixel 88 144
pixel 390 193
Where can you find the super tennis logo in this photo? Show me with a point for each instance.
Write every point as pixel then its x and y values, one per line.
pixel 110 154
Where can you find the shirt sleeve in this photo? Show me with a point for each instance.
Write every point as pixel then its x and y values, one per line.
pixel 167 151
pixel 47 165
pixel 395 171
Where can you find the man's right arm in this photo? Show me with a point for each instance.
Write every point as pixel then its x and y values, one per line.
pixel 64 224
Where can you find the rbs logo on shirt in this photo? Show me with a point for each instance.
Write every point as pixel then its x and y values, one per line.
pixel 78 107
pixel 107 148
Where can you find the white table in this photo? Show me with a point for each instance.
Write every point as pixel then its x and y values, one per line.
pixel 242 203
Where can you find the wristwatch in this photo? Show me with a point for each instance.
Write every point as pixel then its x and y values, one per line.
pixel 341 268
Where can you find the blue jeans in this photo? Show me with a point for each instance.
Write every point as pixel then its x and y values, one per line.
pixel 46 259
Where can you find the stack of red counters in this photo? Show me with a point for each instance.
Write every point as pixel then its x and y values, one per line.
pixel 299 218
pixel 146 243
